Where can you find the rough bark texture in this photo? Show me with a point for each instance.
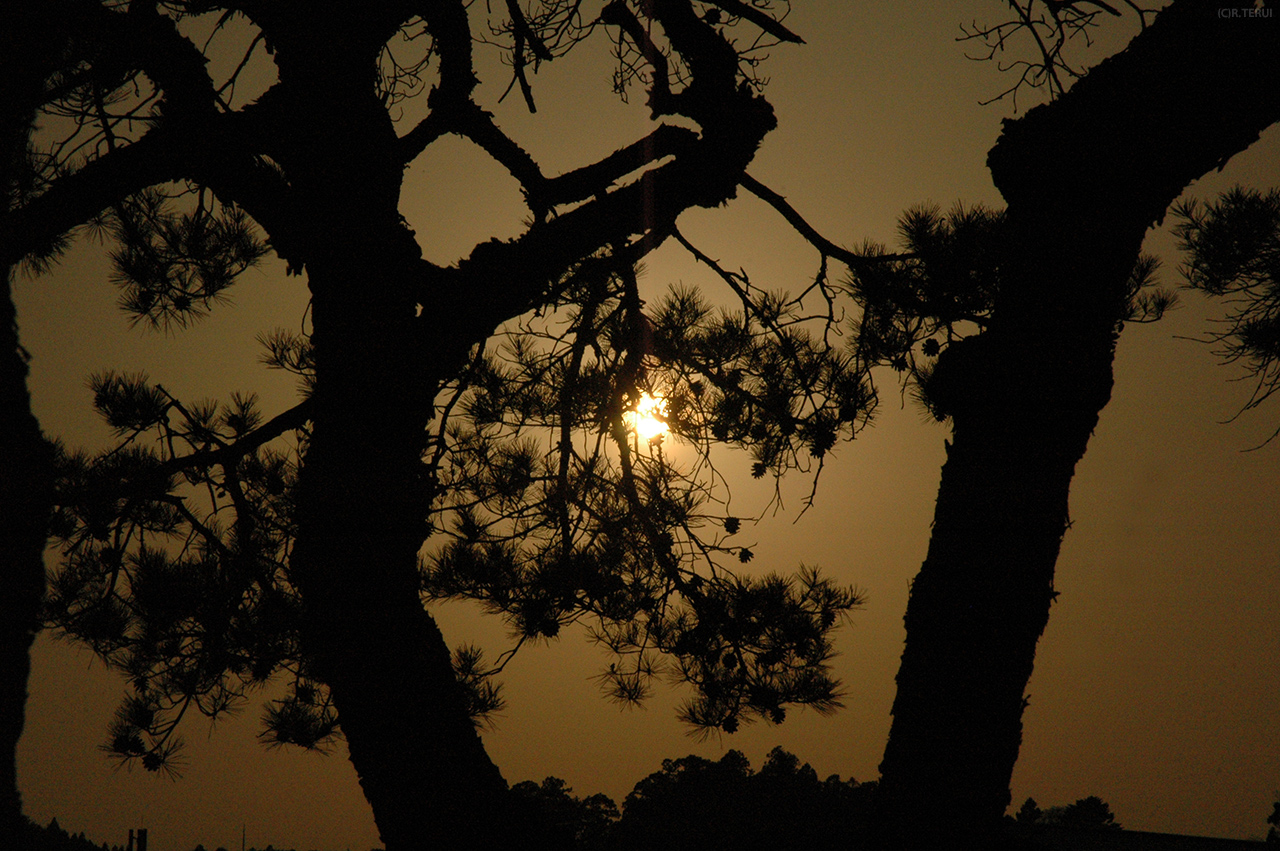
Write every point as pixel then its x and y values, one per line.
pixel 27 55
pixel 26 497
pixel 1084 177
pixel 363 498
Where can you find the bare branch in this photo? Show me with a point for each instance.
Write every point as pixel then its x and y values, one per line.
pixel 825 246
pixel 581 183
pixel 1051 25
pixel 764 21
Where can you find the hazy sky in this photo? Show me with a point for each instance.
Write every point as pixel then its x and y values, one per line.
pixel 1156 684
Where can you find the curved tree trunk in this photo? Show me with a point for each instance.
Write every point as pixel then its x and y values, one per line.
pixel 1084 177
pixel 363 492
pixel 28 54
pixel 362 506
pixel 26 498
pixel 362 509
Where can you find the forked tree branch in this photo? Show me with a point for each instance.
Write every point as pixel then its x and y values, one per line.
pixel 765 22
pixel 825 246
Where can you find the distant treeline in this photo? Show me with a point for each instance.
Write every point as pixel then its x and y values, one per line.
pixel 53 838
pixel 695 804
pixel 700 805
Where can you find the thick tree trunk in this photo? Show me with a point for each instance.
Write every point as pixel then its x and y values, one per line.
pixel 29 52
pixel 362 510
pixel 26 500
pixel 363 493
pixel 1084 178
pixel 26 497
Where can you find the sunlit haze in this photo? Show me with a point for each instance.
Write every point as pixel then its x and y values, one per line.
pixel 649 419
pixel 1156 685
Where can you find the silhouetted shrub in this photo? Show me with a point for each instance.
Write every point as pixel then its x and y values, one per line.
pixel 1090 812
pixel 54 838
pixel 568 821
pixel 694 804
pixel 1029 812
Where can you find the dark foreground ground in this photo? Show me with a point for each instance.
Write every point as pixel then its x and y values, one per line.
pixel 1045 838
pixel 695 804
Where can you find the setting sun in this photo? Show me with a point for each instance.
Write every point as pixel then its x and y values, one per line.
pixel 649 419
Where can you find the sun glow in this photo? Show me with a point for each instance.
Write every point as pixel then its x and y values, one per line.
pixel 649 419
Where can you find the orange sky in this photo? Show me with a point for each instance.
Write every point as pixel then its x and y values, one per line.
pixel 1156 686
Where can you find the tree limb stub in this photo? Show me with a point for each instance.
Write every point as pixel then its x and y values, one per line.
pixel 769 24
pixel 828 248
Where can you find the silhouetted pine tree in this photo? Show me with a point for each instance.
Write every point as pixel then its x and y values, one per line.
pixel 693 803
pixel 1084 177
pixel 218 546
pixel 1233 254
pixel 33 59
